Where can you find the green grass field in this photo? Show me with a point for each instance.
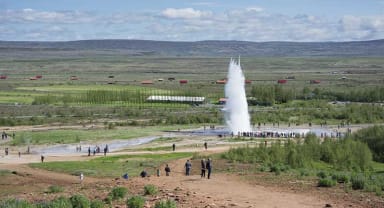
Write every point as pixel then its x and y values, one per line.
pixel 56 98
pixel 113 166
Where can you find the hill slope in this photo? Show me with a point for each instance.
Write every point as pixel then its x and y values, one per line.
pixel 200 48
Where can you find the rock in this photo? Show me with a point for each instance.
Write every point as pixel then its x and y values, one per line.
pixel 170 194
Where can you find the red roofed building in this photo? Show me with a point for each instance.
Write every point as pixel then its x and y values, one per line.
pixel 315 81
pixel 73 78
pixel 147 82
pixel 183 81
pixel 221 81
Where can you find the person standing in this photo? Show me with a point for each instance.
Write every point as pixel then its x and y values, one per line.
pixel 144 173
pixel 105 150
pixel 208 165
pixel 167 170
pixel 188 167
pixel 173 147
pixel 205 145
pixel 203 168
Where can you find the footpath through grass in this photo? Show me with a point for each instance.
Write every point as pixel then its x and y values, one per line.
pixel 113 166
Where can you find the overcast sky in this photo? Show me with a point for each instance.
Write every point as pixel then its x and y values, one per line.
pixel 192 20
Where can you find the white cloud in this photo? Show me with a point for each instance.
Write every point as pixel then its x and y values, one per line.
pixel 255 9
pixel 186 24
pixel 31 15
pixel 185 13
pixel 362 27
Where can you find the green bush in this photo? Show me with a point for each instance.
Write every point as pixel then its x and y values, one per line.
pixel 150 189
pixel 97 204
pixel 15 203
pixel 135 202
pixel 61 202
pixel 373 137
pixel 79 201
pixel 322 174
pixel 108 199
pixel 166 204
pixel 341 177
pixel 118 193
pixel 55 189
pixel 326 182
pixel 358 181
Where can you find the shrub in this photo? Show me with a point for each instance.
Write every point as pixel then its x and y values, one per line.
pixel 118 192
pixel 358 181
pixel 341 177
pixel 304 172
pixel 108 199
pixel 150 189
pixel 322 174
pixel 61 202
pixel 135 202
pixel 79 201
pixel 97 204
pixel 55 189
pixel 15 203
pixel 166 204
pixel 326 182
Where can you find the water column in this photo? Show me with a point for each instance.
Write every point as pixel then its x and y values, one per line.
pixel 236 107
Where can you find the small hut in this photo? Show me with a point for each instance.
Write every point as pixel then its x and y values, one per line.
pixel 147 82
pixel 183 81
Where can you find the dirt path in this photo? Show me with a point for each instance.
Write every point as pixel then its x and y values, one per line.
pixel 224 190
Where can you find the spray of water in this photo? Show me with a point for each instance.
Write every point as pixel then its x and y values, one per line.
pixel 236 106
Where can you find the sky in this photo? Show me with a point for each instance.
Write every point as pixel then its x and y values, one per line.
pixel 192 20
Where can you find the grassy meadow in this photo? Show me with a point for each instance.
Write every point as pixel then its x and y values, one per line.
pixel 113 166
pixel 108 93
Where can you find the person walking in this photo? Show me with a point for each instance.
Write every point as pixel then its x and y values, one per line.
pixel 208 165
pixel 188 167
pixel 205 145
pixel 203 168
pixel 173 147
pixel 167 170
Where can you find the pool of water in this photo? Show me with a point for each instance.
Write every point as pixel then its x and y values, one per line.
pixel 113 145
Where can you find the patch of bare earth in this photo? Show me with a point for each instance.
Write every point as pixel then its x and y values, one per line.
pixel 222 190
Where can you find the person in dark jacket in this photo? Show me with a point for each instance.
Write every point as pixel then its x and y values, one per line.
pixel 203 168
pixel 143 174
pixel 167 170
pixel 208 165
pixel 188 167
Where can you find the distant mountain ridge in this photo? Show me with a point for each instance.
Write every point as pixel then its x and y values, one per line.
pixel 211 48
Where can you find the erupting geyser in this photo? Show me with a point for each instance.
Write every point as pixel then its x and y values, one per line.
pixel 236 106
